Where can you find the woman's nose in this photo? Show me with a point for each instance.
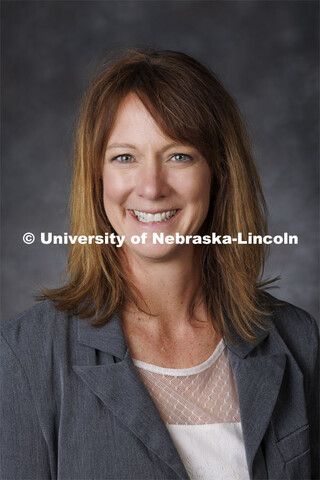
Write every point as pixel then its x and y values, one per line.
pixel 151 182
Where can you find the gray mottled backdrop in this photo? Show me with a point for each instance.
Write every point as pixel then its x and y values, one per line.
pixel 266 54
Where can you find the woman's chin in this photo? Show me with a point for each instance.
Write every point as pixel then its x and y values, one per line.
pixel 156 253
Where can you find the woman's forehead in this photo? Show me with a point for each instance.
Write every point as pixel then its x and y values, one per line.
pixel 135 125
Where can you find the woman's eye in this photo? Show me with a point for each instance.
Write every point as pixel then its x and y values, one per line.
pixel 181 158
pixel 123 158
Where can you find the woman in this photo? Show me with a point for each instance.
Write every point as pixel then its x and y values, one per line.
pixel 161 360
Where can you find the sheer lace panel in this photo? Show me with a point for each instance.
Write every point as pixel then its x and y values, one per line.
pixel 204 394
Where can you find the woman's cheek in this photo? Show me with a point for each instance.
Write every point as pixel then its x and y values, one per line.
pixel 115 186
pixel 194 187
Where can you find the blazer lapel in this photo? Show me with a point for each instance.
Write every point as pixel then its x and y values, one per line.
pixel 119 386
pixel 258 380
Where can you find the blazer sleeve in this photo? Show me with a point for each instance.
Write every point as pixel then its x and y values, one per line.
pixel 24 452
pixel 313 399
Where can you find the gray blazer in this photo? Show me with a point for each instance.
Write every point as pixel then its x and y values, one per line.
pixel 74 407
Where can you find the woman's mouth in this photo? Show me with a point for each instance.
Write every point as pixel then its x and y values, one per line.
pixel 158 217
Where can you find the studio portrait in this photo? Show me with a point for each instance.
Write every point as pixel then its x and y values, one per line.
pixel 160 205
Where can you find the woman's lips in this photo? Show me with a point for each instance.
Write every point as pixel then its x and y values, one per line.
pixel 161 218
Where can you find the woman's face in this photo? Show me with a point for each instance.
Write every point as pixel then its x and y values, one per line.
pixel 151 183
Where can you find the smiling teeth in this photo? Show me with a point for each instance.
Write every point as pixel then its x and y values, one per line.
pixel 158 217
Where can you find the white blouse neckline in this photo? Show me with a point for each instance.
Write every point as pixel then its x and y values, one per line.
pixel 183 371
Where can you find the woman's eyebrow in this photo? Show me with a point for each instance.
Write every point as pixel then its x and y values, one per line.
pixel 173 145
pixel 120 145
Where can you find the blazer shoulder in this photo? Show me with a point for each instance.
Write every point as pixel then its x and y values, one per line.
pixel 39 324
pixel 297 328
pixel 289 318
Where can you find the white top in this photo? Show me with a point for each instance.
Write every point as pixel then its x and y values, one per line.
pixel 200 408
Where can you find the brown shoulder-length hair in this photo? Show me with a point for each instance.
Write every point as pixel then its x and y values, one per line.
pixel 190 105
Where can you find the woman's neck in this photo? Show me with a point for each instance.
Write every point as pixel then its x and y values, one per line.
pixel 171 290
pixel 180 333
